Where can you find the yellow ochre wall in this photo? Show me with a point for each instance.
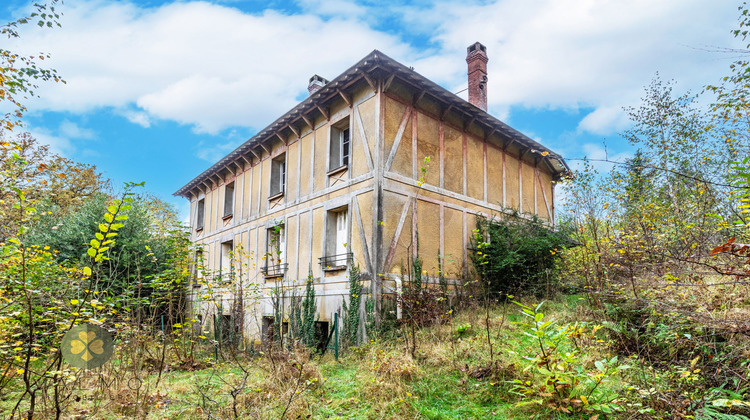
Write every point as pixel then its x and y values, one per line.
pixel 465 176
pixel 309 194
pixel 395 196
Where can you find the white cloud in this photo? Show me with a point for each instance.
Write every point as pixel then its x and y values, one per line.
pixel 213 152
pixel 605 120
pixel 72 130
pixel 57 144
pixel 342 8
pixel 62 140
pixel 212 66
pixel 197 63
pixel 140 118
pixel 580 53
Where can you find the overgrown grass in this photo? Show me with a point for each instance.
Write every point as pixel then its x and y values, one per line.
pixel 451 377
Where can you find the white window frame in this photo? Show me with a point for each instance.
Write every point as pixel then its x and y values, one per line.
pixel 275 250
pixel 229 199
pixel 226 264
pixel 198 267
pixel 278 176
pixel 200 214
pixel 337 240
pixel 340 145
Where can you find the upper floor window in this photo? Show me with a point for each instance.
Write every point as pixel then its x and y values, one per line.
pixel 229 199
pixel 200 214
pixel 339 145
pixel 278 175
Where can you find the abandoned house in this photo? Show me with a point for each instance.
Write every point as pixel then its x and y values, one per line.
pixel 351 174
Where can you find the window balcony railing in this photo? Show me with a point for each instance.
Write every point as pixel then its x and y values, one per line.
pixel 336 262
pixel 277 270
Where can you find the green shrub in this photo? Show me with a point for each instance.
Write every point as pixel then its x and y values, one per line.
pixel 555 375
pixel 517 255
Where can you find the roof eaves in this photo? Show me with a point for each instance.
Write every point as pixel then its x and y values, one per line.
pixel 321 96
pixel 373 61
pixel 470 110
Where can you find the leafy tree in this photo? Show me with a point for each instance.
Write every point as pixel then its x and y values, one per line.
pixel 638 180
pixel 19 74
pixel 664 249
pixel 686 171
pixel 48 202
pixel 731 109
pixel 657 208
pixel 53 183
pixel 143 243
pixel 43 299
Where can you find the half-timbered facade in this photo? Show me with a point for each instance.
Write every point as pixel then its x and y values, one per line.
pixel 353 172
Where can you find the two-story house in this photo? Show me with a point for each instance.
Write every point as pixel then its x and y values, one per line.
pixel 353 172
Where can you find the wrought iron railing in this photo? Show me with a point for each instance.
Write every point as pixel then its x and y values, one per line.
pixel 277 270
pixel 336 262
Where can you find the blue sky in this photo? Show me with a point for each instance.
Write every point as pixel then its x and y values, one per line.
pixel 157 91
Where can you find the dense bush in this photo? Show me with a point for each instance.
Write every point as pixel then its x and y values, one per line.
pixel 143 242
pixel 517 255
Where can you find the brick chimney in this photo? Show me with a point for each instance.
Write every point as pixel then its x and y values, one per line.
pixel 316 82
pixel 476 58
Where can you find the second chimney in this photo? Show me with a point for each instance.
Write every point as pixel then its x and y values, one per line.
pixel 316 82
pixel 476 58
